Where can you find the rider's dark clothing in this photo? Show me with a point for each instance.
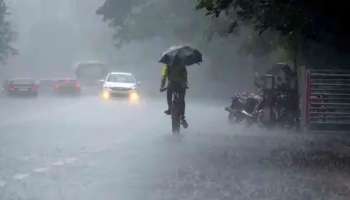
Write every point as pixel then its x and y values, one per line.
pixel 174 87
pixel 177 81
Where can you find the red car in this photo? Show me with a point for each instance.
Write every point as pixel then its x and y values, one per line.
pixel 22 87
pixel 67 86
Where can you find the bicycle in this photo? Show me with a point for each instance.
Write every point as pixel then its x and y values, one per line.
pixel 175 111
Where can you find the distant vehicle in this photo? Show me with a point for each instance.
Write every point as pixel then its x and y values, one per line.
pixel 67 86
pixel 120 84
pixel 46 86
pixel 23 86
pixel 90 72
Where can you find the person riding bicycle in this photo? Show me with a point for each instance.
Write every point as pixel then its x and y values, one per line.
pixel 176 76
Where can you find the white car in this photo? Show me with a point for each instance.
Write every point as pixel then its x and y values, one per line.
pixel 120 84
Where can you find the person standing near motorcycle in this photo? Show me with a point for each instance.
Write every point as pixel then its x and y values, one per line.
pixel 175 75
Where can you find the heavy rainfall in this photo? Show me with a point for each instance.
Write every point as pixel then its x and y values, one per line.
pixel 174 99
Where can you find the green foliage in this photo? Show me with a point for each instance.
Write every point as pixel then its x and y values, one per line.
pixel 315 27
pixel 6 34
pixel 117 11
pixel 143 19
pixel 283 16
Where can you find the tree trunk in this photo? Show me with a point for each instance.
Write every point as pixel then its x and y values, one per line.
pixel 296 55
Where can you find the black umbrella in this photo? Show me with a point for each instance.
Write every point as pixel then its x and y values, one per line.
pixel 184 54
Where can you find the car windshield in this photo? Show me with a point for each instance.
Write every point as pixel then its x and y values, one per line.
pixel 22 81
pixel 67 81
pixel 121 78
pixel 90 71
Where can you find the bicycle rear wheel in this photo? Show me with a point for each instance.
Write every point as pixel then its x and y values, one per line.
pixel 175 119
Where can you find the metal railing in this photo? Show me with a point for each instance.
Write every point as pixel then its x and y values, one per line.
pixel 327 98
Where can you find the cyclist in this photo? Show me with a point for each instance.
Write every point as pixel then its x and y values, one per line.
pixel 176 76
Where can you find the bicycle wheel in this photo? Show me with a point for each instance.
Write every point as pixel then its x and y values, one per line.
pixel 175 119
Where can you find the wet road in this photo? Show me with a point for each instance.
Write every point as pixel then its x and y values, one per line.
pixel 86 148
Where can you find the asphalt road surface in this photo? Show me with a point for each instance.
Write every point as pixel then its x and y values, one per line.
pixel 87 149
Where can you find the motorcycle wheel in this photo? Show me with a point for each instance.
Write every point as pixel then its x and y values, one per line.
pixel 234 118
pixel 231 118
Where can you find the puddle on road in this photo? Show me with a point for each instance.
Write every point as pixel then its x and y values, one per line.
pixel 2 183
pixel 20 177
pixel 58 163
pixel 41 170
pixel 70 160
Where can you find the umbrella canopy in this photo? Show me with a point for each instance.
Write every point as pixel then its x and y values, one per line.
pixel 183 54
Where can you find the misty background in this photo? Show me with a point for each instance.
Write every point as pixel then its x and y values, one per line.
pixel 52 36
pixel 85 147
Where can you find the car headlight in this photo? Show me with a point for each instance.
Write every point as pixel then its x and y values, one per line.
pixel 106 94
pixel 134 97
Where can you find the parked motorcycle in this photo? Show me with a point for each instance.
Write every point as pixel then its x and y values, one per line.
pixel 244 108
pixel 276 105
pixel 235 109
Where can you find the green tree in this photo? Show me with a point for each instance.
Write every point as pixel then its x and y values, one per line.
pixel 226 49
pixel 6 33
pixel 310 29
pixel 178 21
pixel 143 19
